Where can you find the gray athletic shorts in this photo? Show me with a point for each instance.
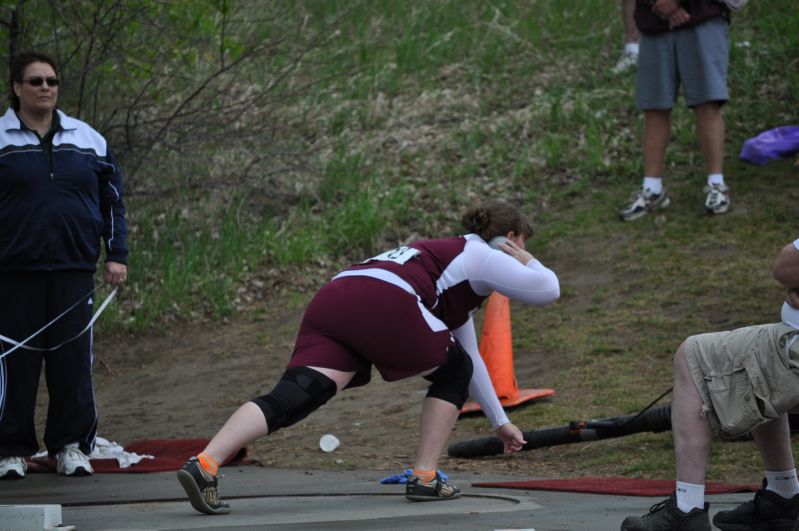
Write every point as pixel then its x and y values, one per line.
pixel 695 57
pixel 745 376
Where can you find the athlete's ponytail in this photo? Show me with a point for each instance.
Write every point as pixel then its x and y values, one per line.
pixel 496 219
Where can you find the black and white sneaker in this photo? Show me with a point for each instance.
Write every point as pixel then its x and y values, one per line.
pixel 201 488
pixel 643 201
pixel 436 490
pixel 717 200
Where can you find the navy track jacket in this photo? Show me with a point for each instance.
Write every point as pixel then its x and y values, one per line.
pixel 55 207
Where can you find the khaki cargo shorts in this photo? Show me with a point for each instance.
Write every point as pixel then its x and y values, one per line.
pixel 745 377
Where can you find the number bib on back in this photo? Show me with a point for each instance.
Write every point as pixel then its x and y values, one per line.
pixel 400 255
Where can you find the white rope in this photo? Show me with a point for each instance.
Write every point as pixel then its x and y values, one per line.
pixel 22 344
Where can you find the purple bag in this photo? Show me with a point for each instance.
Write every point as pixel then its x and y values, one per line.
pixel 771 145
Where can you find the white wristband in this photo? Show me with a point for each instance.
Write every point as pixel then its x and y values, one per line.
pixel 796 244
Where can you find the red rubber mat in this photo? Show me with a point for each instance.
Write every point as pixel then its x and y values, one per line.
pixel 615 486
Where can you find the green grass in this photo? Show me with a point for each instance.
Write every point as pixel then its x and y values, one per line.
pixel 448 103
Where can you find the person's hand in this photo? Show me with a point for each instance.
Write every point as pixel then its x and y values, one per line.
pixel 678 18
pixel 519 253
pixel 511 437
pixel 115 273
pixel 793 298
pixel 671 11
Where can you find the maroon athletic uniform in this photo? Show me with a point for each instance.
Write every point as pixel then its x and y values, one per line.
pixel 358 321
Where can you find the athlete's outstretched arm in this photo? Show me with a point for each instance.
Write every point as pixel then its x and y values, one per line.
pixel 482 390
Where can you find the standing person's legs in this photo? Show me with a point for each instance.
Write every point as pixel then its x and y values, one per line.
pixel 656 92
pixel 657 132
pixel 71 411
pixel 629 57
pixel 631 34
pixel 710 130
pixel 22 312
pixel 703 59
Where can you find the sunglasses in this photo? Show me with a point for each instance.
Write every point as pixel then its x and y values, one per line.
pixel 39 81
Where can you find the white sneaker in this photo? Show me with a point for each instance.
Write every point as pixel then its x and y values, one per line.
pixel 13 467
pixel 718 198
pixel 627 61
pixel 643 201
pixel 73 462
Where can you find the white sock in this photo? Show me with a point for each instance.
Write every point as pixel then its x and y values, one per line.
pixel 783 483
pixel 631 48
pixel 690 496
pixel 715 178
pixel 653 184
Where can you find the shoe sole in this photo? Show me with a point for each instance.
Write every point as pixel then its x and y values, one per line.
pixel 663 204
pixel 12 474
pixel 195 496
pixel 721 210
pixel 781 525
pixel 431 498
pixel 78 472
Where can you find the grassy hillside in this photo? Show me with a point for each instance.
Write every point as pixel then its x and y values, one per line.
pixel 432 106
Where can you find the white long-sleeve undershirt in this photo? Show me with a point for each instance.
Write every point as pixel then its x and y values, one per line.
pixel 480 387
pixel 490 270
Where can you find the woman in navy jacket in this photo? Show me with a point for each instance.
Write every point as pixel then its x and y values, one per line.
pixel 60 194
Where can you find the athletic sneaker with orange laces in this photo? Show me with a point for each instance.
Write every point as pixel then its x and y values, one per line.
pixel 201 488
pixel 436 490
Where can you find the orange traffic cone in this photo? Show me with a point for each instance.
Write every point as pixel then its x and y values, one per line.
pixel 496 349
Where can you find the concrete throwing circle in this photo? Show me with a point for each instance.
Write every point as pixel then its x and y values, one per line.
pixel 358 508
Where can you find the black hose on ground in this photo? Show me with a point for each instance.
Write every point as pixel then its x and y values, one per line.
pixel 656 420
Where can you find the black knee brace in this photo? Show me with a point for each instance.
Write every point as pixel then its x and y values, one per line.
pixel 300 392
pixel 451 380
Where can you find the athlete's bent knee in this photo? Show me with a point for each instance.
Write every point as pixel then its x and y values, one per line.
pixel 300 392
pixel 450 382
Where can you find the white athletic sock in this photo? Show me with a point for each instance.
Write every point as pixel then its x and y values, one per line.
pixel 653 184
pixel 783 483
pixel 715 178
pixel 690 496
pixel 631 48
